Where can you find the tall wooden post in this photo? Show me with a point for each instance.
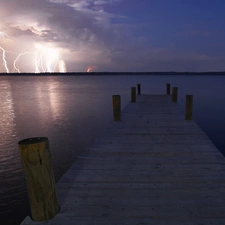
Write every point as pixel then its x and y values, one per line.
pixel 116 107
pixel 139 89
pixel 174 94
pixel 168 89
pixel 189 107
pixel 133 94
pixel 36 160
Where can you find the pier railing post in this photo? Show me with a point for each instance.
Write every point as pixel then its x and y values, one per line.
pixel 174 94
pixel 133 94
pixel 116 107
pixel 139 89
pixel 35 156
pixel 168 89
pixel 189 107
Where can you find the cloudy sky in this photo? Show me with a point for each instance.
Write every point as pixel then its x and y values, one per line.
pixel 112 35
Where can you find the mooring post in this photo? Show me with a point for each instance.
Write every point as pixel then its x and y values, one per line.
pixel 116 107
pixel 168 89
pixel 189 107
pixel 133 94
pixel 36 160
pixel 174 94
pixel 139 89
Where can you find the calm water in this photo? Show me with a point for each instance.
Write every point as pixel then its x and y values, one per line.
pixel 72 111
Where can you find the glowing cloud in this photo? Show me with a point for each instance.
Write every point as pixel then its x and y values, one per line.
pixel 55 35
pixel 91 68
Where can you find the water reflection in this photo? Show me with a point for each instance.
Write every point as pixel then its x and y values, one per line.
pixel 7 127
pixel 38 107
pixel 7 114
pixel 54 99
pixel 48 100
pixel 11 183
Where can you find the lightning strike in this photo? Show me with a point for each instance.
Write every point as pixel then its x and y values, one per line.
pixel 16 61
pixel 62 66
pixel 3 36
pixel 91 69
pixel 5 64
pixel 46 57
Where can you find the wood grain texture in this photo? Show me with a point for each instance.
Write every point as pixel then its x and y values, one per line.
pixel 36 160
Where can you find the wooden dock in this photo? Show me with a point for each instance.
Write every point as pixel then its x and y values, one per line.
pixel 152 167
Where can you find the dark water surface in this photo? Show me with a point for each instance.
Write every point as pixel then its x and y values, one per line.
pixel 72 110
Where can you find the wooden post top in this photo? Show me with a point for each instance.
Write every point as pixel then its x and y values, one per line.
pixel 34 140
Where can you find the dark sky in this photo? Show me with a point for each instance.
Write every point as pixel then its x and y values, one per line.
pixel 112 35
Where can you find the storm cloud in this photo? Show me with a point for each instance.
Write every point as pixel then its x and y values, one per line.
pixel 86 33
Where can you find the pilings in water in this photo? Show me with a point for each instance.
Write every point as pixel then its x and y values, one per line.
pixel 174 94
pixel 189 107
pixel 168 89
pixel 116 99
pixel 133 94
pixel 138 89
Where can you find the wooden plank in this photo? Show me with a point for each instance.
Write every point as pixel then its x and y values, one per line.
pixel 142 212
pixel 142 201
pixel 62 219
pixel 65 183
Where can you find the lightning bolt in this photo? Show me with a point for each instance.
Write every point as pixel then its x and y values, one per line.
pixel 16 61
pixel 38 63
pixel 62 66
pixel 5 64
pixel 46 57
pixel 3 36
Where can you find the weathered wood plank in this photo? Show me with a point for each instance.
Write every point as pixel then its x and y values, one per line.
pixel 65 183
pixel 63 219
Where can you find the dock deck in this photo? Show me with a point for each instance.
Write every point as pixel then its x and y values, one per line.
pixel 152 167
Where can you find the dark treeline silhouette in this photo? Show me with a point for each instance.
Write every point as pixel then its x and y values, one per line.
pixel 113 73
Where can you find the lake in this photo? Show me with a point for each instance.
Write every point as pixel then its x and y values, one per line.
pixel 72 110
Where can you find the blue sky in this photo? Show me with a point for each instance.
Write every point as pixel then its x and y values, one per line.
pixel 112 35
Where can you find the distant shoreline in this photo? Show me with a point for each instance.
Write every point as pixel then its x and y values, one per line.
pixel 112 73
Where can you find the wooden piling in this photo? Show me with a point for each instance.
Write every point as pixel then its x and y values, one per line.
pixel 168 89
pixel 189 107
pixel 133 94
pixel 174 94
pixel 36 160
pixel 139 89
pixel 116 107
